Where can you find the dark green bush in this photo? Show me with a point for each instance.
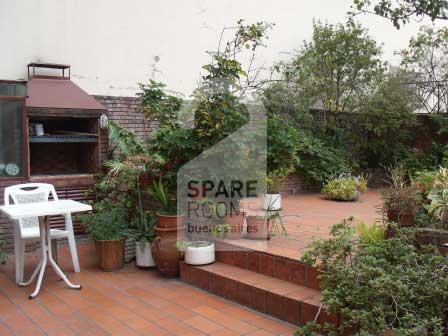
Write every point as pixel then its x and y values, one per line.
pixel 383 285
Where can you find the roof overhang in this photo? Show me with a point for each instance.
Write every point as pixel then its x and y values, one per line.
pixel 55 93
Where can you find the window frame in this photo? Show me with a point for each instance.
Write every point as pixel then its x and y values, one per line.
pixel 25 149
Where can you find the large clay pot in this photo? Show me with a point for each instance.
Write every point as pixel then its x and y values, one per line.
pixel 164 251
pixel 257 228
pixel 236 222
pixel 110 254
pixel 169 222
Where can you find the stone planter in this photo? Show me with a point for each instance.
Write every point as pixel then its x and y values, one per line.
pixel 200 253
pixel 257 227
pixel 272 202
pixel 144 255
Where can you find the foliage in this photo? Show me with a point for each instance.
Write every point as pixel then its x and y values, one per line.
pixel 381 130
pixel 382 285
pixel 221 231
pixel 219 110
pixel 108 221
pixel 168 200
pixel 400 195
pixel 142 231
pixel 435 193
pixel 338 67
pixel 2 253
pixel 281 146
pixel 124 140
pixel 370 234
pixel 319 161
pixel 400 12
pixel 345 187
pixel 158 105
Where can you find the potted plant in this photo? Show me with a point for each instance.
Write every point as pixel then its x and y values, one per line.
pixel 400 200
pixel 142 230
pixel 167 216
pixel 345 187
pixel 274 183
pixel 233 216
pixel 200 252
pixel 265 224
pixel 281 158
pixel 107 225
pixel 168 230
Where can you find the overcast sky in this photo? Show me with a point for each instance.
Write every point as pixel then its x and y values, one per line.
pixel 113 44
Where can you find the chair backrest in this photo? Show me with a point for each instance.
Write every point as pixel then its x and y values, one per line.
pixel 29 193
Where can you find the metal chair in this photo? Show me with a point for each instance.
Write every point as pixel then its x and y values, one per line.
pixel 28 228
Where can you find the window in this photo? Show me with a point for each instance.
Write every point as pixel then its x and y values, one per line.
pixel 12 133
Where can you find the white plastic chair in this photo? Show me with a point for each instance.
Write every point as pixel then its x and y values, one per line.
pixel 28 228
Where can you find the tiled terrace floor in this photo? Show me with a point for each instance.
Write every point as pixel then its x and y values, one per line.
pixel 308 217
pixel 128 302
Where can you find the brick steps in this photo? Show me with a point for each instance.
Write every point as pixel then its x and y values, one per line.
pixel 275 266
pixel 283 299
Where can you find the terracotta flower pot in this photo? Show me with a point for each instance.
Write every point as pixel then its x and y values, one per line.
pixel 110 254
pixel 164 251
pixel 169 221
pixel 257 228
pixel 404 218
pixel 236 222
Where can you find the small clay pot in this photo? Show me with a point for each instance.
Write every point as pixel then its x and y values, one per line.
pixel 257 228
pixel 164 251
pixel 110 254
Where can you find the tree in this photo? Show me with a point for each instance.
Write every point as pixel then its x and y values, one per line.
pixel 399 12
pixel 338 67
pixel 381 130
pixel 426 57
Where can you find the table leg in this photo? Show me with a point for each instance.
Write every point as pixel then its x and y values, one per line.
pixel 43 263
pixel 54 264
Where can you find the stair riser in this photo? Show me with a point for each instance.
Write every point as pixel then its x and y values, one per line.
pixel 277 267
pixel 282 307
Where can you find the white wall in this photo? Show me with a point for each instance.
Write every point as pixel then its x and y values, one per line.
pixel 111 44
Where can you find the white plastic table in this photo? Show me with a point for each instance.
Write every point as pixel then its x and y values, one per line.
pixel 42 210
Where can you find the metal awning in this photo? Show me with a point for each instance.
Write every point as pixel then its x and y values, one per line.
pixel 59 93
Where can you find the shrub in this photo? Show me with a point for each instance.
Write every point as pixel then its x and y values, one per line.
pixel 345 187
pixel 109 221
pixel 381 285
pixel 2 253
pixel 317 161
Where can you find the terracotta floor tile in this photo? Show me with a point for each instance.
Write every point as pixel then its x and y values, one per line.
pixel 203 325
pixel 177 327
pixel 273 326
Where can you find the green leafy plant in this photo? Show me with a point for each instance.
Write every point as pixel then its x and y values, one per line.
pixel 158 105
pixel 142 231
pixel 370 233
pixel 2 253
pixel 345 187
pixel 385 285
pixel 401 195
pixel 221 231
pixel 281 148
pixel 168 200
pixel 108 221
pixel 400 12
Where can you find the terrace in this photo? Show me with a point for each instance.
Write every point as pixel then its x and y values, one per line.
pixel 308 196
pixel 133 301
